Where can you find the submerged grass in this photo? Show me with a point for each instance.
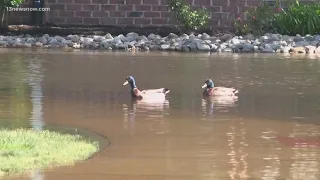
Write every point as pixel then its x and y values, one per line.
pixel 25 149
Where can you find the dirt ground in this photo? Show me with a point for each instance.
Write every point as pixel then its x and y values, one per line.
pixel 96 30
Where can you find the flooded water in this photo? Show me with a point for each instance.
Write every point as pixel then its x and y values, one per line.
pixel 271 132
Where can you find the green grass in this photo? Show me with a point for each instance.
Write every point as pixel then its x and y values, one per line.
pixel 23 149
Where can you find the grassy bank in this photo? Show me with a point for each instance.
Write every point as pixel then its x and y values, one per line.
pixel 23 149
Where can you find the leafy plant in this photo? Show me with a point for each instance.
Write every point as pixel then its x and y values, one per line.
pixel 4 5
pixel 259 20
pixel 299 19
pixel 188 18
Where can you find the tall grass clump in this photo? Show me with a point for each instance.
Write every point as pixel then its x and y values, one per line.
pixel 289 17
pixel 24 149
pixel 299 18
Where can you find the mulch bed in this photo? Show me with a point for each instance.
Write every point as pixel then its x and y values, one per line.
pixel 100 30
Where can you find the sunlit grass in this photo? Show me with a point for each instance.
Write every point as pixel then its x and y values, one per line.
pixel 25 149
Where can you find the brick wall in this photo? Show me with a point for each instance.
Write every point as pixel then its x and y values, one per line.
pixel 129 12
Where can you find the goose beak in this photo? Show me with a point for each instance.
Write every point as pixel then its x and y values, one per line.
pixel 125 83
pixel 205 85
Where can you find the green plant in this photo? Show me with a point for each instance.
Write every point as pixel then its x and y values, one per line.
pixel 299 19
pixel 259 20
pixel 4 5
pixel 189 19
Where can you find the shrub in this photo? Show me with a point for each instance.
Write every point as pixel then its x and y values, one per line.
pixel 299 19
pixel 186 17
pixel 4 4
pixel 259 20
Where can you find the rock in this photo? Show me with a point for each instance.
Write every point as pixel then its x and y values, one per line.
pixel 314 43
pixel 308 37
pixel 87 41
pixel 98 38
pixel 287 38
pixel 248 46
pixel 28 45
pixel 227 50
pixel 298 38
pixel 39 44
pixel 235 41
pixel 213 47
pixel 310 49
pixel 52 41
pixel 226 37
pixel 76 45
pixel 172 36
pixel 317 50
pixel 154 47
pixel 75 38
pixel 264 38
pixel 165 46
pixel 268 49
pixel 297 50
pixel 285 49
pixel 108 36
pixel 59 38
pixel 301 43
pixel 132 36
pixel 256 49
pixel 151 36
pixel 205 36
pixel 2 43
pixel 185 48
pixel 203 47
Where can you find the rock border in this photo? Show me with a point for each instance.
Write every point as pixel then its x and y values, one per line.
pixel 269 43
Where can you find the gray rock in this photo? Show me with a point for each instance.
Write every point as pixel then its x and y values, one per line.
pixel 59 38
pixel 87 41
pixel 235 41
pixel 205 36
pixel 132 36
pixel 28 45
pixel 268 49
pixel 154 47
pixel 165 46
pixel 76 45
pixel 172 36
pixel 314 43
pixel 98 38
pixel 52 41
pixel 256 49
pixel 308 37
pixel 108 36
pixel 39 44
pixel 213 47
pixel 298 38
pixel 151 36
pixel 226 37
pixel 287 38
pixel 285 49
pixel 248 46
pixel 227 49
pixel 301 43
pixel 2 43
pixel 203 47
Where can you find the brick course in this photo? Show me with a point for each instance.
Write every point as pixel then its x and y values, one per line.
pixel 130 12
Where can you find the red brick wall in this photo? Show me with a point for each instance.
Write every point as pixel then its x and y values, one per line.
pixel 129 12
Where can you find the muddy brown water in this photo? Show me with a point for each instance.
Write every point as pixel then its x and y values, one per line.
pixel 271 132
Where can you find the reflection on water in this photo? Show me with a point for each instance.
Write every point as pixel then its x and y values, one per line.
pixel 269 132
pixel 217 103
pixel 153 112
pixel 35 77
